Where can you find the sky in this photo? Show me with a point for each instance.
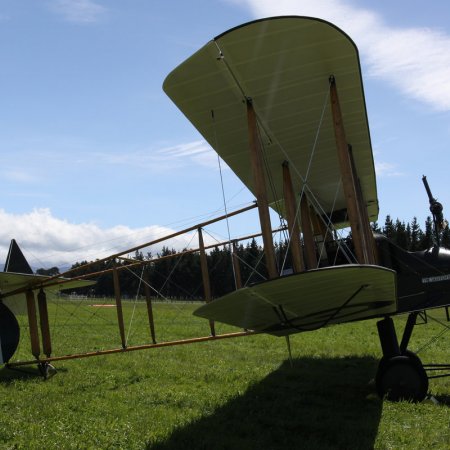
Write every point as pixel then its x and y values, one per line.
pixel 95 158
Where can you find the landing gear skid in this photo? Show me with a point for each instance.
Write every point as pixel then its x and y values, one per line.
pixel 401 374
pixel 46 370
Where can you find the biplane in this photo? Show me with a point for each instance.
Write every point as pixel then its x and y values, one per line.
pixel 281 101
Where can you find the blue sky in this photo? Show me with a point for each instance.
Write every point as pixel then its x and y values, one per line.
pixel 95 157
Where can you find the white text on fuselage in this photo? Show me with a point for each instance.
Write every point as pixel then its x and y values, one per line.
pixel 436 279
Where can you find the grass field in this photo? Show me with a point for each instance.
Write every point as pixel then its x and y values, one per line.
pixel 234 394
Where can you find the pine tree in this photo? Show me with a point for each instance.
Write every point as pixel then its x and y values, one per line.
pixel 388 229
pixel 375 227
pixel 427 238
pixel 254 264
pixel 445 238
pixel 400 236
pixel 415 236
pixel 48 272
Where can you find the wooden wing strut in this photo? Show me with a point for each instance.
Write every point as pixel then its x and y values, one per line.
pixel 260 190
pixel 355 204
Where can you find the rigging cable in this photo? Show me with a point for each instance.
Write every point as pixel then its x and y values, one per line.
pixel 304 179
pixel 435 338
pixel 275 196
pixel 178 261
pixel 223 197
pixel 134 306
pixel 262 127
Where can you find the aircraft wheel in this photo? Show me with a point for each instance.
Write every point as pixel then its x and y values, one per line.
pixel 402 378
pixel 413 356
pixel 9 334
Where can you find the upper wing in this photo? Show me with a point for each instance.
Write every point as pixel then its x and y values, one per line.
pixel 283 64
pixel 308 300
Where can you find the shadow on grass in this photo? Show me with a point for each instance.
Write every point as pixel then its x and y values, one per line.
pixel 316 404
pixel 10 374
pixel 443 399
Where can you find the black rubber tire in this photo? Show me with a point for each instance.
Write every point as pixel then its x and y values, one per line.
pixel 9 333
pixel 413 356
pixel 402 378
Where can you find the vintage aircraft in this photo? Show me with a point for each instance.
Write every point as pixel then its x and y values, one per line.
pixel 281 101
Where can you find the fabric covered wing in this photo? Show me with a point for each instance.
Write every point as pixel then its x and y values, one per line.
pixel 308 300
pixel 12 281
pixel 283 64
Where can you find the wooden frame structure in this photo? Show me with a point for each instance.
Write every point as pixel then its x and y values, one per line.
pixel 43 323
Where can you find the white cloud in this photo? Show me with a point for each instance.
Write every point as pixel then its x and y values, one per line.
pixel 78 11
pixel 384 169
pixel 20 176
pixel 47 241
pixel 189 149
pixel 158 159
pixel 198 152
pixel 20 167
pixel 414 60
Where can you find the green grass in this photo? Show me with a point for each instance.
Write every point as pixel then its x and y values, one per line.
pixel 234 394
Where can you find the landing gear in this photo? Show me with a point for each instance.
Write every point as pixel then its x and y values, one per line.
pixel 46 370
pixel 402 378
pixel 400 375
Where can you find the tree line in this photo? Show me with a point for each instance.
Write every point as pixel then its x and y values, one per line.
pixel 410 236
pixel 180 277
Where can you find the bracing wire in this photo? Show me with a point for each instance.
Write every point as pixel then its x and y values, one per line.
pixel 274 195
pixel 329 226
pixel 158 293
pixel 224 198
pixel 272 187
pixel 243 261
pixel 316 139
pixel 435 338
pixel 261 126
pixel 254 270
pixel 178 262
pixel 134 306
pixel 308 169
